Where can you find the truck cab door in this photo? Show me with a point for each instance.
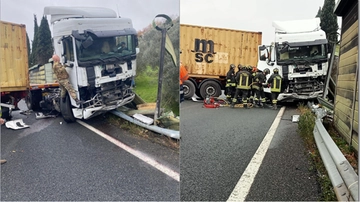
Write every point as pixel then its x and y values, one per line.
pixel 68 59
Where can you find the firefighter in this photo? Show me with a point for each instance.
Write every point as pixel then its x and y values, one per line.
pixel 258 85
pixel 243 80
pixel 239 68
pixel 183 75
pixel 230 82
pixel 274 83
pixel 2 121
pixel 253 72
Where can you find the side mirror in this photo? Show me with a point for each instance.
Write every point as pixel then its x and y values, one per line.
pixel 261 48
pixel 137 50
pixel 329 55
pixel 263 57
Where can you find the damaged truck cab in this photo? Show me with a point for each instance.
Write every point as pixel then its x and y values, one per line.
pixel 300 52
pixel 99 51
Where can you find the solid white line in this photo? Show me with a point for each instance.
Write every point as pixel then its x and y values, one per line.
pixel 171 173
pixel 243 186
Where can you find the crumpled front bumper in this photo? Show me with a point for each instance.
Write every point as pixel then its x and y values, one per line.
pixel 290 97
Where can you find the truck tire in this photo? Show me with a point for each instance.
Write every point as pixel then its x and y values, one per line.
pixel 197 93
pixel 66 110
pixel 33 99
pixel 6 113
pixel 211 88
pixel 189 89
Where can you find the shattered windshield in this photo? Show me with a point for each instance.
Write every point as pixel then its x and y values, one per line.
pixel 309 53
pixel 105 48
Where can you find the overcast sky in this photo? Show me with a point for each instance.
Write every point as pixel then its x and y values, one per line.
pixel 249 15
pixel 142 12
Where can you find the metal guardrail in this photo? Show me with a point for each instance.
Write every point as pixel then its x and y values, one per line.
pixel 342 175
pixel 168 132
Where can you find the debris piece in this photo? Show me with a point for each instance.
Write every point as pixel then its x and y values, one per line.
pixel 40 115
pixel 16 124
pixel 143 119
pixel 295 118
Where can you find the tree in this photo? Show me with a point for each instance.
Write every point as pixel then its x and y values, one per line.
pixel 44 47
pixel 329 21
pixel 28 47
pixel 318 15
pixel 149 44
pixel 34 43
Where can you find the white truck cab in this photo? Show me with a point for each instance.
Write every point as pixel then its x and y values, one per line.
pixel 300 52
pixel 99 50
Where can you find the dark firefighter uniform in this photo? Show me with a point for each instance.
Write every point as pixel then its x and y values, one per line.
pixel 275 82
pixel 230 82
pixel 258 85
pixel 243 80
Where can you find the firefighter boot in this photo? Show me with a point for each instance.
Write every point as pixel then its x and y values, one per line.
pixel 246 105
pixel 275 106
pixel 233 103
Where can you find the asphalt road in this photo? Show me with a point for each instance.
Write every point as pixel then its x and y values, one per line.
pixel 218 144
pixel 56 161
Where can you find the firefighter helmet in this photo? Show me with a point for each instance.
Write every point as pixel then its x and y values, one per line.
pixel 267 71
pixel 276 70
pixel 232 66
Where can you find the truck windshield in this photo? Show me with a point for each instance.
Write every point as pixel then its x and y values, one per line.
pixel 310 53
pixel 103 48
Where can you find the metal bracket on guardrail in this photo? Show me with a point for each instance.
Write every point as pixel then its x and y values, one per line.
pixel 341 173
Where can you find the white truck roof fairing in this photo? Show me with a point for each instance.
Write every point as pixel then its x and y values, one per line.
pixel 319 36
pixel 65 27
pixel 297 26
pixel 60 12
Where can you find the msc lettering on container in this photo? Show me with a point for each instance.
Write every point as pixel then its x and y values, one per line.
pixel 203 53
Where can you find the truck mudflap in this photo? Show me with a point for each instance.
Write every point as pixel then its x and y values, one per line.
pixel 290 97
pixel 91 111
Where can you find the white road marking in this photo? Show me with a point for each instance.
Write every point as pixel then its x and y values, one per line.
pixel 171 173
pixel 243 186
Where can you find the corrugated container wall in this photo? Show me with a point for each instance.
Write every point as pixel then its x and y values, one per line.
pixel 210 51
pixel 13 57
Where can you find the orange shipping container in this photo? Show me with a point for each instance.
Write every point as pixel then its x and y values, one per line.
pixel 207 53
pixel 14 74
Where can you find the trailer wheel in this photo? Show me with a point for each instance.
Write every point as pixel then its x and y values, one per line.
pixel 66 110
pixel 211 88
pixel 33 99
pixel 189 89
pixel 197 93
pixel 6 113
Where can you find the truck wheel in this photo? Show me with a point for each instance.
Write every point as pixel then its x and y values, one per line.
pixel 66 110
pixel 189 89
pixel 197 93
pixel 5 113
pixel 33 99
pixel 211 88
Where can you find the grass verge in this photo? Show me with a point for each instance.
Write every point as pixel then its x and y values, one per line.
pixel 305 129
pixel 146 85
pixel 142 132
